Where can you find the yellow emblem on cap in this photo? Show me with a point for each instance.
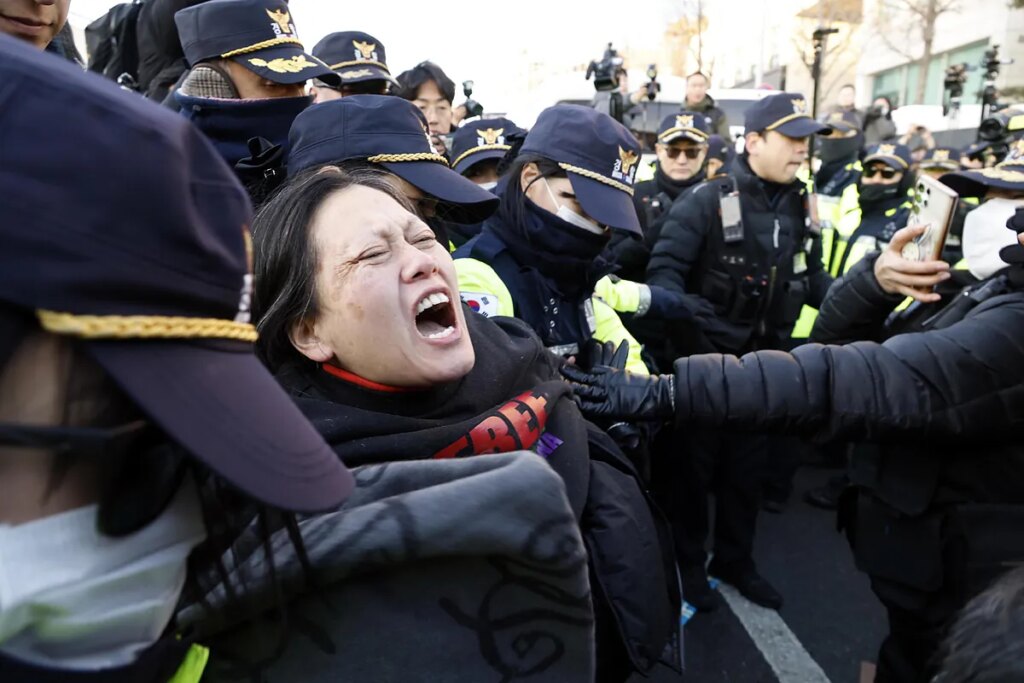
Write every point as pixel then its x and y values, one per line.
pixel 628 158
pixel 941 155
pixel 799 106
pixel 490 136
pixel 1016 154
pixel 280 65
pixel 282 19
pixel 365 49
pixel 684 121
pixel 886 150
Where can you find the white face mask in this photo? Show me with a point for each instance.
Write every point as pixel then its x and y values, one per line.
pixel 489 186
pixel 985 233
pixel 71 598
pixel 571 217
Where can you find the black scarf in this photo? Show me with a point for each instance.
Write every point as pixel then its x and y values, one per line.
pixel 674 188
pixel 512 399
pixel 567 255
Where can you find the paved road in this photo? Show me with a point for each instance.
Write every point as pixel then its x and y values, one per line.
pixel 830 623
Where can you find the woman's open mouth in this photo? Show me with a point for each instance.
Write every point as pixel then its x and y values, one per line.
pixel 435 317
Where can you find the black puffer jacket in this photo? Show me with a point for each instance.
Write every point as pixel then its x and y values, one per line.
pixel 690 257
pixel 954 395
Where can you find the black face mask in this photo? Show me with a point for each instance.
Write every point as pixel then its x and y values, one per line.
pixel 875 194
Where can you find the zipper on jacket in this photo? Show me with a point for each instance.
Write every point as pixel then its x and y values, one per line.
pixel 762 326
pixel 775 234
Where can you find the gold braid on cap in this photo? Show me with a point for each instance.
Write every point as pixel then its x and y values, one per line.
pixel 417 156
pixel 360 62
pixel 481 148
pixel 144 327
pixel 598 177
pixel 262 46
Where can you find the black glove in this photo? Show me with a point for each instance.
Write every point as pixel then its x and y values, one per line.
pixel 597 353
pixel 611 393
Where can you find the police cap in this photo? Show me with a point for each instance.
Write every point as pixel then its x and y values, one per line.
pixel 599 155
pixel 391 132
pixel 787 113
pixel 257 34
pixel 147 264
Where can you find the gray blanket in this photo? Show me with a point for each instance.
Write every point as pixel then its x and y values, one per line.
pixel 454 570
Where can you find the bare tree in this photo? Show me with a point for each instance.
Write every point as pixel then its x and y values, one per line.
pixel 897 22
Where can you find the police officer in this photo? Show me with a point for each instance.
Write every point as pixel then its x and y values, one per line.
pixel 390 134
pixel 539 257
pixel 129 390
pixel 698 100
pixel 479 146
pixel 884 205
pixel 719 157
pixel 742 247
pixel 682 149
pixel 939 161
pixel 246 83
pixel 359 59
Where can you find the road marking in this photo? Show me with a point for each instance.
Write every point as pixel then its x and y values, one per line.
pixel 787 657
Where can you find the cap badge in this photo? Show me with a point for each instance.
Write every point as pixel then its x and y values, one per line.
pixel 365 50
pixel 624 165
pixel 886 150
pixel 941 155
pixel 684 121
pixel 282 22
pixel 799 106
pixel 285 66
pixel 491 136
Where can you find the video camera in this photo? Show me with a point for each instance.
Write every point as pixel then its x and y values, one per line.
pixel 606 72
pixel 652 87
pixel 473 108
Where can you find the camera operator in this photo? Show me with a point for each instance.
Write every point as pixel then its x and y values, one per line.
pixel 878 123
pixel 740 249
pixel 935 396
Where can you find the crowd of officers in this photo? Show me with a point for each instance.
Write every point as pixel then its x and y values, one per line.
pixel 672 299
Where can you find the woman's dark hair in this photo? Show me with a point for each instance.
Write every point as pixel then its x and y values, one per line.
pixel 286 259
pixel 409 82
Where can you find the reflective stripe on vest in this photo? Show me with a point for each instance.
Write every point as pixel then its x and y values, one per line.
pixel 192 667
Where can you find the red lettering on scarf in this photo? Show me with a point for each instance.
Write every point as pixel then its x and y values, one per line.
pixel 515 426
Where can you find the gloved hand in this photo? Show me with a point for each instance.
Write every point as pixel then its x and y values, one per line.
pixel 611 393
pixel 667 304
pixel 597 353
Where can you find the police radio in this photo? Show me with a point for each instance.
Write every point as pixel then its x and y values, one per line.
pixel 729 208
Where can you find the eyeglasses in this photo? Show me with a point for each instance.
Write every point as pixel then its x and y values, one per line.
pixel 887 173
pixel 690 152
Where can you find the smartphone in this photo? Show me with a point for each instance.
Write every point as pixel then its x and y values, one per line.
pixel 934 207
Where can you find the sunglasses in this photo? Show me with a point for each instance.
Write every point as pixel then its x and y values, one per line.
pixel 690 152
pixel 887 173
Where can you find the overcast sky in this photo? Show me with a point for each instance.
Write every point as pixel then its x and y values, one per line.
pixel 470 41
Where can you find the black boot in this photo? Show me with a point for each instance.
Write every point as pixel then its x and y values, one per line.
pixel 750 584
